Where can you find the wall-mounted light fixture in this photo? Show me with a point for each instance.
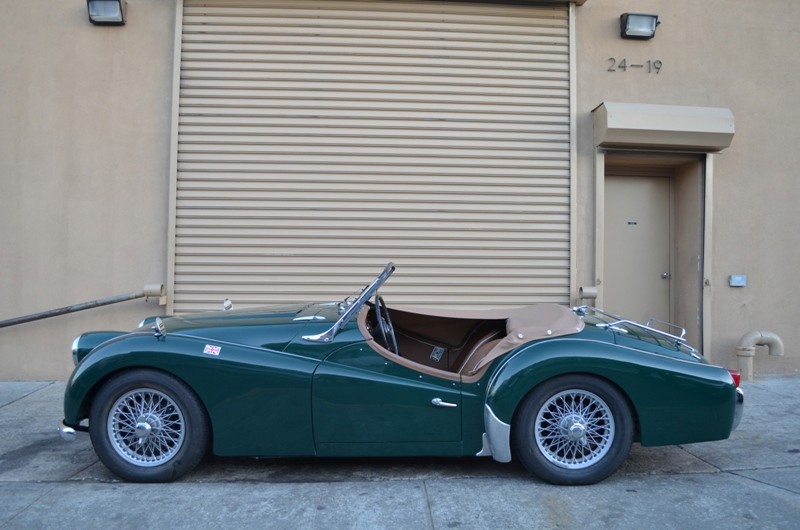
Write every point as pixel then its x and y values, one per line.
pixel 107 12
pixel 637 26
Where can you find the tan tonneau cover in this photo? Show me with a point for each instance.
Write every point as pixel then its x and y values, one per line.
pixel 523 324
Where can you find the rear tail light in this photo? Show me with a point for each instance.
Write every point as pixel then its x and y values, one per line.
pixel 737 377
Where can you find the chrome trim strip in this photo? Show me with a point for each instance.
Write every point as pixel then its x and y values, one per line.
pixel 308 318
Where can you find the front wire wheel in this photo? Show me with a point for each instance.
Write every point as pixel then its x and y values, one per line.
pixel 148 426
pixel 573 430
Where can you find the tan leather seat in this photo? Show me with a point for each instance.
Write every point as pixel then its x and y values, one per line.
pixel 478 351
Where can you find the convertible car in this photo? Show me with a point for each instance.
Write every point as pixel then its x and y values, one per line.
pixel 565 391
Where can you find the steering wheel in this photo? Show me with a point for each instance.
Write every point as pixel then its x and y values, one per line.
pixel 385 324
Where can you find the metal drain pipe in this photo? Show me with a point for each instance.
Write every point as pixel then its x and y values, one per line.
pixel 148 291
pixel 746 349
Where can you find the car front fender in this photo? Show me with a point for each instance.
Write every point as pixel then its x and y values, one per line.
pixel 247 392
pixel 96 359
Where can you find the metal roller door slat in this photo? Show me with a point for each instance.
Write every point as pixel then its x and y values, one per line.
pixel 319 140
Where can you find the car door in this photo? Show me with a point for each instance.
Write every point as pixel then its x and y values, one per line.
pixel 366 405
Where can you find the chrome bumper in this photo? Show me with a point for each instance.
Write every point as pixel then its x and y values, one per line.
pixel 737 411
pixel 67 433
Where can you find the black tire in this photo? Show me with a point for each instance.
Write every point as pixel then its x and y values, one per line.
pixel 148 426
pixel 573 430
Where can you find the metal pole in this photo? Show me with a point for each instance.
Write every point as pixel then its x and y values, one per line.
pixel 154 290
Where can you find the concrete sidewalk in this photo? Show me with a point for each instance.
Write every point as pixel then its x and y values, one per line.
pixel 751 480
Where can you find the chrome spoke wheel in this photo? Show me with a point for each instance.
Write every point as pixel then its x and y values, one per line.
pixel 146 427
pixel 574 429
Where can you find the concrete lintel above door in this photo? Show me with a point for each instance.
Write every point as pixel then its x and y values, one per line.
pixel 672 127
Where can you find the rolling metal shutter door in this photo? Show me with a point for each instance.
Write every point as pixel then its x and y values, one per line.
pixel 319 140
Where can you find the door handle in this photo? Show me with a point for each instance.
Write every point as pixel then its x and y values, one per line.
pixel 437 402
pixel 665 275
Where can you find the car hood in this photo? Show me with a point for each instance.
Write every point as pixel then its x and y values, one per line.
pixel 260 316
pixel 271 327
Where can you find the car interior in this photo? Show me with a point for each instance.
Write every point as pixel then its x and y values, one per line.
pixel 459 342
pixel 444 343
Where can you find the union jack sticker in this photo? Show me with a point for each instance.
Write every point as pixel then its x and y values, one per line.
pixel 212 350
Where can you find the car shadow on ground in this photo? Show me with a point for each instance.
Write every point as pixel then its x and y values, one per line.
pixel 642 460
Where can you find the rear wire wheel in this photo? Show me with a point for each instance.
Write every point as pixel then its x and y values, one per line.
pixel 147 426
pixel 573 429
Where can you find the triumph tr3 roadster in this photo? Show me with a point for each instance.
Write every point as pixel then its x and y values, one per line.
pixel 565 391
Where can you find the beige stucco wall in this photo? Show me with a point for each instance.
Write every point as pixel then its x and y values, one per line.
pixel 84 157
pixel 715 53
pixel 85 148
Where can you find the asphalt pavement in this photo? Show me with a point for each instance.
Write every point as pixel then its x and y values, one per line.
pixel 751 480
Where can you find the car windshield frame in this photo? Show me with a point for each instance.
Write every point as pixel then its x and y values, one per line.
pixel 367 293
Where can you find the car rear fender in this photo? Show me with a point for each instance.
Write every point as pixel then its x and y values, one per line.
pixel 672 401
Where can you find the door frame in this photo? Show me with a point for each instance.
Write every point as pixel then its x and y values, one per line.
pixel 705 203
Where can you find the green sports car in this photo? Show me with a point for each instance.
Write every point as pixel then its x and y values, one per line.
pixel 565 391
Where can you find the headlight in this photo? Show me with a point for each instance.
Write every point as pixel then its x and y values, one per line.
pixel 75 350
pixel 85 343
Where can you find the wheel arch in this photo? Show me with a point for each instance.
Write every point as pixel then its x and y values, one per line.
pixel 85 404
pixel 672 401
pixel 589 375
pixel 523 372
pixel 115 358
pixel 520 375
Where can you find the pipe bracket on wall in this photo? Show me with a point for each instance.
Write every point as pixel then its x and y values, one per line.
pixel 587 293
pixel 746 349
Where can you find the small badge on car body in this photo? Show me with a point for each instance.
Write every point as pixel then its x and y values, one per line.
pixel 212 350
pixel 436 354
